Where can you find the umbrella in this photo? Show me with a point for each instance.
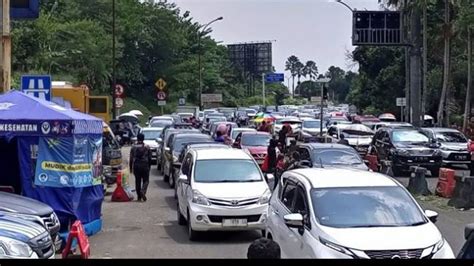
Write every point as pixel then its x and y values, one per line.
pixel 128 117
pixel 136 112
pixel 260 117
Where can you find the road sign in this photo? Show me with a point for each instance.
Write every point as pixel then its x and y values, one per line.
pixel 182 101
pixel 161 96
pixel 37 86
pixel 119 90
pixel 377 28
pixel 274 77
pixel 24 9
pixel 401 102
pixel 161 103
pixel 118 102
pixel 160 84
pixel 211 98
pixel 315 99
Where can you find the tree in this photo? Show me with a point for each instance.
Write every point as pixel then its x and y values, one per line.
pixel 299 69
pixel 310 69
pixel 291 65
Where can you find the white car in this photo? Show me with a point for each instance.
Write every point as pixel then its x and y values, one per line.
pixel 221 190
pixel 151 139
pixel 236 130
pixel 339 213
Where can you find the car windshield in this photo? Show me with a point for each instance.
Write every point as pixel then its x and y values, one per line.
pixel 255 140
pixel 151 134
pixel 336 157
pixel 408 136
pixel 217 171
pixel 179 143
pixel 346 207
pixel 217 119
pixel 237 132
pixel 161 123
pixel 311 124
pixel 454 137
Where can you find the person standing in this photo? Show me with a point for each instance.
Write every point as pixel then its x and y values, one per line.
pixel 343 140
pixel 263 127
pixel 272 156
pixel 282 137
pixel 140 161
pixel 219 137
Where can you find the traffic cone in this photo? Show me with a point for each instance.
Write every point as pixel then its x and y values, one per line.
pixel 120 195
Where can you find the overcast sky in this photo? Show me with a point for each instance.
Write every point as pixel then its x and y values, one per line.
pixel 318 30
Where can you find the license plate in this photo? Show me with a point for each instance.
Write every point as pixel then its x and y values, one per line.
pixel 260 161
pixel 153 153
pixel 234 222
pixel 115 161
pixel 460 157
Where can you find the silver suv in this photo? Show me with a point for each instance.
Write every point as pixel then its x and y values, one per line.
pixel 453 145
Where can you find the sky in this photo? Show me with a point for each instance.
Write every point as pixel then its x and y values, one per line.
pixel 318 30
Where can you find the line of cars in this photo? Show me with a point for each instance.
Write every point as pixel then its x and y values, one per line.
pixel 335 209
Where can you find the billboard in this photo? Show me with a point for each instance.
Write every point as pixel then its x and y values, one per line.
pixel 251 58
pixel 377 28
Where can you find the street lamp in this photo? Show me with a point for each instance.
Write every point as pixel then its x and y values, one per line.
pixel 346 5
pixel 199 57
pixel 114 106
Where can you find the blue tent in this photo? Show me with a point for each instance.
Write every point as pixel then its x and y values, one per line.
pixel 52 154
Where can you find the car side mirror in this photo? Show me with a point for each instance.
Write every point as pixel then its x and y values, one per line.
pixel 295 220
pixel 468 231
pixel 147 123
pixel 167 149
pixel 269 177
pixel 236 144
pixel 432 215
pixel 183 179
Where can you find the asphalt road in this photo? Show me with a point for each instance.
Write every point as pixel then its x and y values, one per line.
pixel 150 229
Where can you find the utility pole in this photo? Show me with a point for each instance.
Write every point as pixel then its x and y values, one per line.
pixel 467 107
pixel 6 47
pixel 425 58
pixel 415 66
pixel 114 79
pixel 263 89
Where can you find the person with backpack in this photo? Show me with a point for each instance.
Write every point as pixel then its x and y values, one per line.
pixel 140 161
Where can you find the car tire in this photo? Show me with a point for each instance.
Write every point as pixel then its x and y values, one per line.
pixel 171 181
pixel 192 235
pixel 181 219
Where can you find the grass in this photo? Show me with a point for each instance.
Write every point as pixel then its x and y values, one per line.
pixel 435 201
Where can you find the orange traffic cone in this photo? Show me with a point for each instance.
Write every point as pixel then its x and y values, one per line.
pixel 120 195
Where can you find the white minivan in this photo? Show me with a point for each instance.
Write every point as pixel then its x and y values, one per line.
pixel 221 190
pixel 342 213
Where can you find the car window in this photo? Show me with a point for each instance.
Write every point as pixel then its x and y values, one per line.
pixel 304 154
pixel 337 157
pixel 151 134
pixel 288 194
pixel 450 136
pixel 408 136
pixel 186 164
pixel 227 170
pixel 256 140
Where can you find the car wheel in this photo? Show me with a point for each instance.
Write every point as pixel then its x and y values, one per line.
pixel 171 181
pixel 181 219
pixel 192 235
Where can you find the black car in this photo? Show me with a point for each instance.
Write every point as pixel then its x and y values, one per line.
pixel 174 147
pixel 406 147
pixel 331 155
pixel 162 140
pixel 32 210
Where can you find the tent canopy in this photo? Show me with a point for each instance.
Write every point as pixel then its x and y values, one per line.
pixel 24 115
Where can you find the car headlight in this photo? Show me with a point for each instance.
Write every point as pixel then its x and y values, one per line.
pixel 200 199
pixel 265 198
pixel 14 248
pixel 438 246
pixel 401 152
pixel 337 248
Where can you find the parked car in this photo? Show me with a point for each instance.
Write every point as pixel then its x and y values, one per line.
pixel 33 211
pixel 406 147
pixel 324 155
pixel 221 190
pixel 467 251
pixel 160 121
pixel 341 213
pixel 111 155
pixel 152 134
pixel 163 140
pixel 453 145
pixel 376 126
pixel 359 136
pixel 175 145
pixel 24 239
pixel 294 122
pixel 256 143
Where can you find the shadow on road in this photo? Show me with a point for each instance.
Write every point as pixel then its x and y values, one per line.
pixel 172 203
pixel 161 184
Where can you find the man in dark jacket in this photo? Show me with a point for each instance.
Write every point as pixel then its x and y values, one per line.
pixel 343 140
pixel 140 161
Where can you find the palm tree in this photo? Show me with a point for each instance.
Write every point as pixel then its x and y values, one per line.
pixel 310 69
pixel 299 68
pixel 290 65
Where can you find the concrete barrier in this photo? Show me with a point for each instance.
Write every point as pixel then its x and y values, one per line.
pixel 417 184
pixel 463 196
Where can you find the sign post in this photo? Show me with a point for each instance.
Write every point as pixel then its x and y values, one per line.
pixel 270 78
pixel 37 86
pixel 161 95
pixel 401 102
pixel 322 82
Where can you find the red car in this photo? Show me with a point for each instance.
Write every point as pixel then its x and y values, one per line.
pixel 254 142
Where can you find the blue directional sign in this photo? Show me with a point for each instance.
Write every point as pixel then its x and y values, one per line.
pixel 24 9
pixel 37 86
pixel 274 77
